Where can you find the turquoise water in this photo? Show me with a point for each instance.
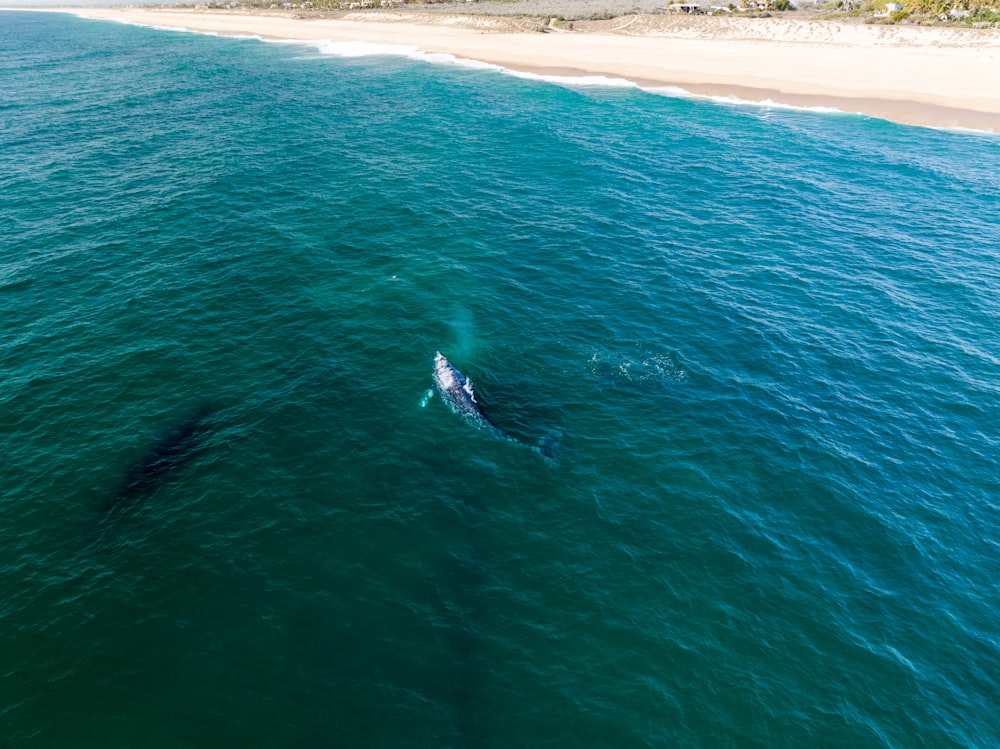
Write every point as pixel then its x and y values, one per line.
pixel 770 341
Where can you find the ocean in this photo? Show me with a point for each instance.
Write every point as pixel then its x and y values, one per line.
pixel 233 512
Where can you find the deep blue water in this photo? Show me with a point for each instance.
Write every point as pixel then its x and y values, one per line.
pixel 770 341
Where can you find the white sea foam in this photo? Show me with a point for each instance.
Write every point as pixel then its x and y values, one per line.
pixel 968 131
pixel 371 49
pixel 574 80
pixel 364 49
pixel 682 93
pixel 156 27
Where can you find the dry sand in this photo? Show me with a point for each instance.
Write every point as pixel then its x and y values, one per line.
pixel 940 77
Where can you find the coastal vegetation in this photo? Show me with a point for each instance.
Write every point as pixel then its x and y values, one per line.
pixel 975 13
pixel 963 10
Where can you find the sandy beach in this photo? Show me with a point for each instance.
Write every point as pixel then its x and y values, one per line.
pixel 932 76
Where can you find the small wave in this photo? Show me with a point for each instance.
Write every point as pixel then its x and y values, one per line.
pixel 364 49
pixel 573 80
pixel 968 131
pixel 678 92
pixel 373 49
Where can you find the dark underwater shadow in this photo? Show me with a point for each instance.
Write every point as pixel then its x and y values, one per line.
pixel 163 461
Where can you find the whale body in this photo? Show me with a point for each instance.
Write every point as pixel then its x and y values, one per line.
pixel 169 453
pixel 458 393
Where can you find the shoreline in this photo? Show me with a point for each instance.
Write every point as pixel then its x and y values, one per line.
pixel 933 77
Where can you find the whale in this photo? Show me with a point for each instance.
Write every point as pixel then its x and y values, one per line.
pixel 457 391
pixel 175 447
